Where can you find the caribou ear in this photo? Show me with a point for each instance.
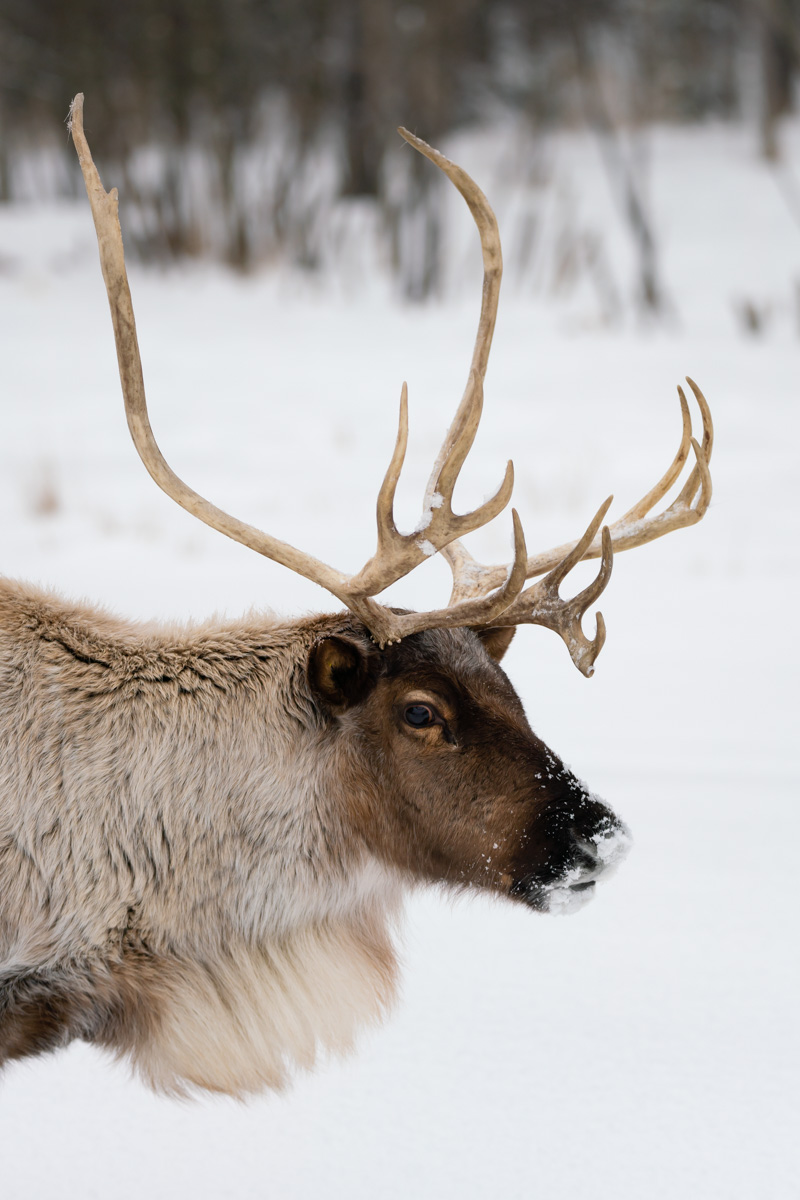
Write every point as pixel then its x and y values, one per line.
pixel 341 671
pixel 496 641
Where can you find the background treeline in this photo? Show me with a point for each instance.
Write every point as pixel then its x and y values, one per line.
pixel 234 124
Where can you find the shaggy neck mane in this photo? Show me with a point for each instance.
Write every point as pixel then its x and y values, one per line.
pixel 181 781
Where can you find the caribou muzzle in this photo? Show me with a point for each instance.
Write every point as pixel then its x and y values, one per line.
pixel 573 843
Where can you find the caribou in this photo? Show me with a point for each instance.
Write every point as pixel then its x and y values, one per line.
pixel 206 834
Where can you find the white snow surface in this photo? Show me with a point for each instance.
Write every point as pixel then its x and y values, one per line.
pixel 649 1046
pixel 612 846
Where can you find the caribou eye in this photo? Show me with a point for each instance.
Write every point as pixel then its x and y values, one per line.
pixel 419 715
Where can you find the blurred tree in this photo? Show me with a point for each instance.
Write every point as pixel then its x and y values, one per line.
pixel 779 30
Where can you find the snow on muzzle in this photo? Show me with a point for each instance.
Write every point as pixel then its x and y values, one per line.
pixel 572 844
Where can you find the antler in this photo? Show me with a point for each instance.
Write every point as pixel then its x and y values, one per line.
pixel 541 604
pixel 482 596
pixel 397 554
pixel 635 528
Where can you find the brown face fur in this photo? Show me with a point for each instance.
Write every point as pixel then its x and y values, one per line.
pixel 444 776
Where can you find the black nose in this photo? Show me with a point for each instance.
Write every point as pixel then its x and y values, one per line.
pixel 572 842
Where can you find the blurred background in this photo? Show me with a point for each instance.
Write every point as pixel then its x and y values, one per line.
pixel 256 131
pixel 291 262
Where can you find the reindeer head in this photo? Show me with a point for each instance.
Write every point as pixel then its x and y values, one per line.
pixel 443 777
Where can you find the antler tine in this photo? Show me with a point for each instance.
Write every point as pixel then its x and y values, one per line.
pixel 699 476
pixel 484 218
pixel 541 603
pixel 639 528
pixel 643 506
pixel 398 553
pixel 387 530
pixel 559 573
pixel 635 528
pixel 461 434
pixel 457 446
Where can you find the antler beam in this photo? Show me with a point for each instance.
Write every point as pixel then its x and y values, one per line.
pixel 397 553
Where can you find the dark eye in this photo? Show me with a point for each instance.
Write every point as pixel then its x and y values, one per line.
pixel 419 715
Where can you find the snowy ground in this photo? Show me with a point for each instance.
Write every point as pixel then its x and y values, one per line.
pixel 647 1047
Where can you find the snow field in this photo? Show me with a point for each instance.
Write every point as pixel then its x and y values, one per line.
pixel 647 1046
